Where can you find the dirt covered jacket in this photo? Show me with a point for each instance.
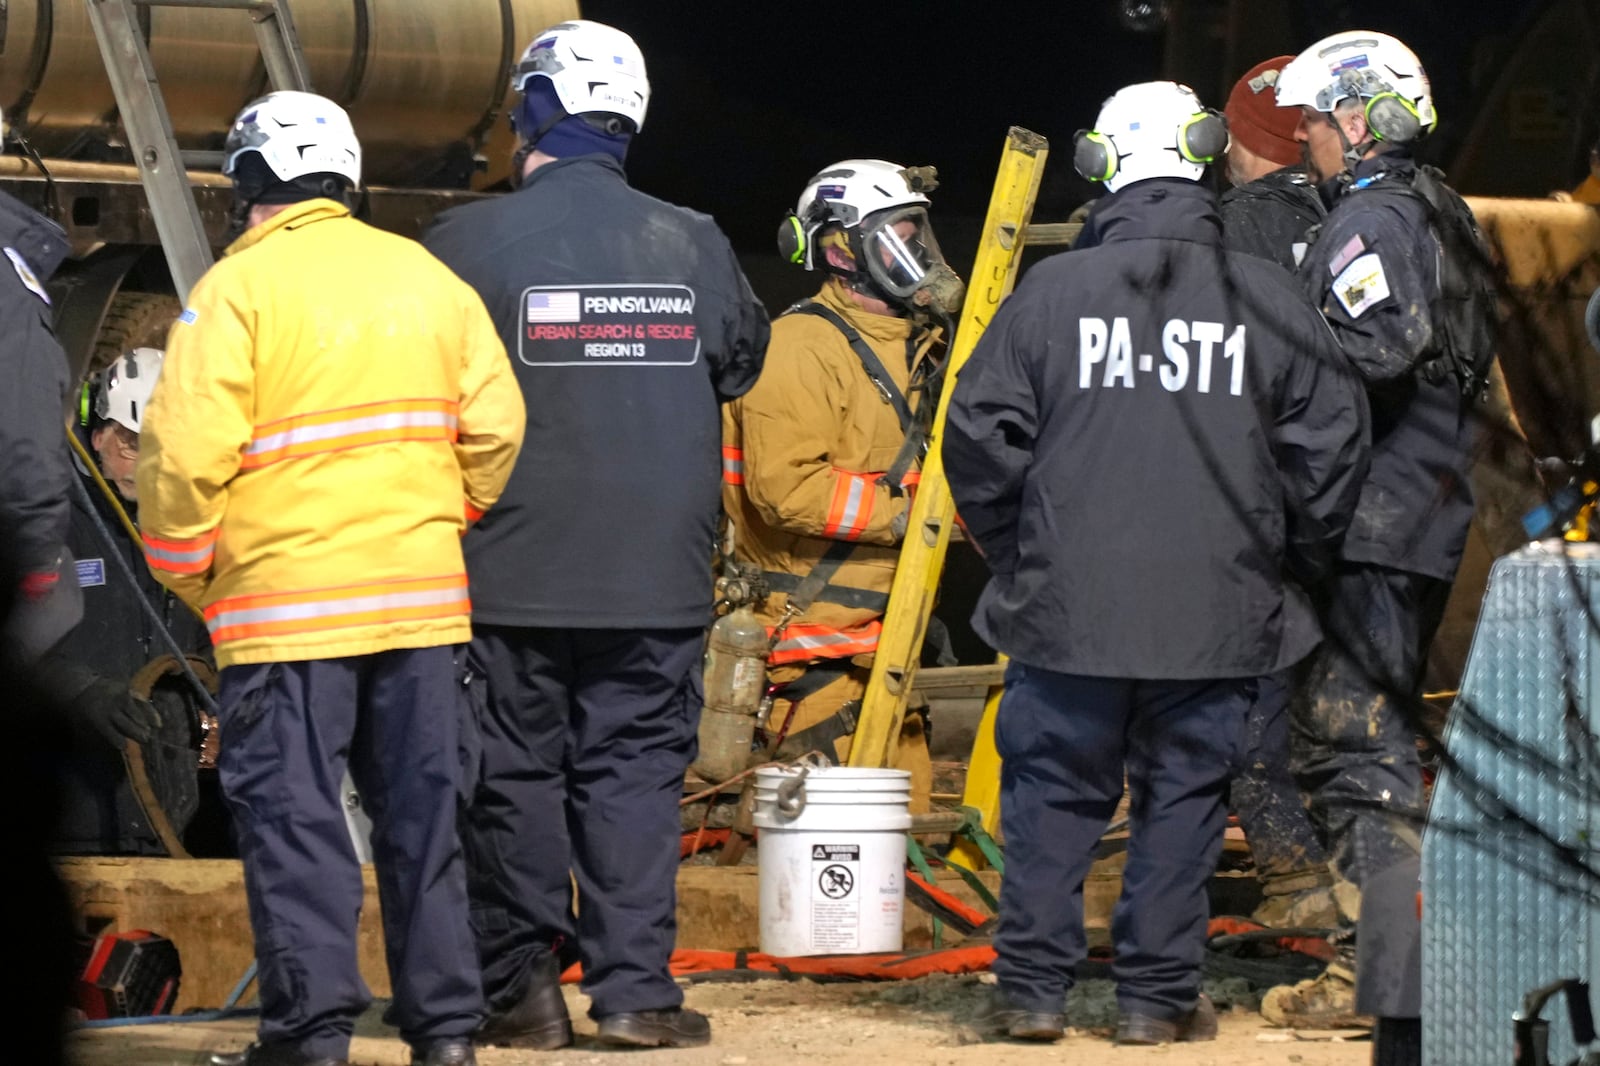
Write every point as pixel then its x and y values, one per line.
pixel 335 406
pixel 629 322
pixel 1374 271
pixel 1270 217
pixel 1155 444
pixel 803 455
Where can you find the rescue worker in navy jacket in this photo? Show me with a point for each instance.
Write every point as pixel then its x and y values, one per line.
pixel 92 667
pixel 35 478
pixel 1151 443
pixel 1267 212
pixel 629 322
pixel 1376 271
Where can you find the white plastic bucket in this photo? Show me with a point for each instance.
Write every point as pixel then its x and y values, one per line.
pixel 832 872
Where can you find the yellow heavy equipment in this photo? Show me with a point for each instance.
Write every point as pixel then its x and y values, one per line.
pixel 423 80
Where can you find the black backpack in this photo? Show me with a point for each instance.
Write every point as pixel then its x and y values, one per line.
pixel 1465 310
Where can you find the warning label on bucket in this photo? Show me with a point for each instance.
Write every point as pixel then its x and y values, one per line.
pixel 835 901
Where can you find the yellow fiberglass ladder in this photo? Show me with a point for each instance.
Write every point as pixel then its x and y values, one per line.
pixel 1007 228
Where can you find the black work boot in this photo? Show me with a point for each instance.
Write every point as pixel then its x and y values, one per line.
pixel 1141 1029
pixel 1003 1018
pixel 446 1051
pixel 538 1021
pixel 272 1055
pixel 673 1027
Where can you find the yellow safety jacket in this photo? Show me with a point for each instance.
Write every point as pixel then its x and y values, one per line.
pixel 334 408
pixel 803 453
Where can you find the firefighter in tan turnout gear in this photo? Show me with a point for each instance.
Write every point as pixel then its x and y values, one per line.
pixel 821 457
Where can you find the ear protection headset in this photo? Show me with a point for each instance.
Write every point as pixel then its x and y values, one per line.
pixel 1200 139
pixel 793 243
pixel 792 240
pixel 1391 117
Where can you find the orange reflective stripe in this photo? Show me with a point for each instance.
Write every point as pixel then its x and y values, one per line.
pixel 851 510
pixel 473 514
pixel 192 556
pixel 350 427
pixel 732 465
pixel 313 610
pixel 804 641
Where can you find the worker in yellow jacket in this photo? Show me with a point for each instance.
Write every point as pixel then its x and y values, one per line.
pixel 334 409
pixel 821 457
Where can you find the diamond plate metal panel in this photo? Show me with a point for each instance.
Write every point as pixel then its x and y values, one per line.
pixel 1511 896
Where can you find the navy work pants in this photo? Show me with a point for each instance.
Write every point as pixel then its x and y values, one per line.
pixel 1354 744
pixel 1266 796
pixel 585 738
pixel 289 731
pixel 1066 741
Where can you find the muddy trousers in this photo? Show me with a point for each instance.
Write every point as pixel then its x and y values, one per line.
pixel 1066 742
pixel 1354 733
pixel 1266 797
pixel 586 735
pixel 289 731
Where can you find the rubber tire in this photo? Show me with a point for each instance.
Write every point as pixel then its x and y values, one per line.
pixel 134 320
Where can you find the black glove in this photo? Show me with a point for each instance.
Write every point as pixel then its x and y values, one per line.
pixel 115 714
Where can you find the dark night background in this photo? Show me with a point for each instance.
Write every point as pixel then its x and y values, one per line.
pixel 751 98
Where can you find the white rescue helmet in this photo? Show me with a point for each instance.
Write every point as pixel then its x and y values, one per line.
pixel 1152 129
pixel 1373 68
pixel 594 69
pixel 126 385
pixel 868 198
pixel 296 134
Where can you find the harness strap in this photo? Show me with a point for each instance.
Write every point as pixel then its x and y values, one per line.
pixel 843 595
pixel 869 359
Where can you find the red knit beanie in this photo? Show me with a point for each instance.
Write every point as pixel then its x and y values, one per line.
pixel 1255 119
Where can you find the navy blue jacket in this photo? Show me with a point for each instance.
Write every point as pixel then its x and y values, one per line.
pixel 34 477
pixel 1373 271
pixel 628 322
pixel 1150 439
pixel 114 641
pixel 1270 217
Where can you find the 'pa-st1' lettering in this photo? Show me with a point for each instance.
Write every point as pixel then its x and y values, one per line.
pixel 1189 351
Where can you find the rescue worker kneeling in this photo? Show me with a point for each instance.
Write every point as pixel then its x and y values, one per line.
pixel 1141 515
pixel 821 457
pixel 99 663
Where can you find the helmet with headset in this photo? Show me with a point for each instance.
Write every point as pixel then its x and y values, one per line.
pixel 1153 129
pixel 1371 68
pixel 877 212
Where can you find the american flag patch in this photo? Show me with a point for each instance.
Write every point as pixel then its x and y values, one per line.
pixel 553 306
pixel 1343 257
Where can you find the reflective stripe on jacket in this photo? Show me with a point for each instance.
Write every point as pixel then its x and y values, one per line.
pixel 802 457
pixel 334 407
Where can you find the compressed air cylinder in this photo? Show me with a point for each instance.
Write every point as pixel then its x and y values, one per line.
pixel 735 680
